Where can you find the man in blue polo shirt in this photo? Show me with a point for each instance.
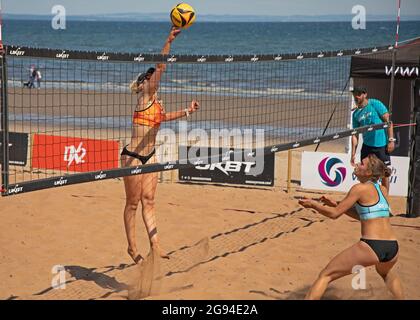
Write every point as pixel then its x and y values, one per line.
pixel 378 142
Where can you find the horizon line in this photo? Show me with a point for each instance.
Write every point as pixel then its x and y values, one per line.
pixel 161 17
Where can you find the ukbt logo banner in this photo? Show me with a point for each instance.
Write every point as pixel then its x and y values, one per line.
pixel 333 172
pixel 74 154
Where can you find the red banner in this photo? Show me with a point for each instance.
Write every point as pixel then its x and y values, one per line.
pixel 74 154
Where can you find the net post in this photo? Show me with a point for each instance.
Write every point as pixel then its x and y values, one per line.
pixel 172 176
pixel 413 203
pixel 394 57
pixel 392 84
pixel 4 123
pixel 31 141
pixel 289 171
pixel 350 111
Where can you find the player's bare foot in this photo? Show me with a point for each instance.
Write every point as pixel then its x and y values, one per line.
pixel 159 251
pixel 137 258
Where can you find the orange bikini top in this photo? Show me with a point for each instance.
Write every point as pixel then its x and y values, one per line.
pixel 152 116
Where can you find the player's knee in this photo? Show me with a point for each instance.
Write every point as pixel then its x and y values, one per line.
pixel 148 200
pixel 132 205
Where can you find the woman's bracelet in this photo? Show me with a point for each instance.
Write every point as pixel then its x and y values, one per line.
pixel 187 113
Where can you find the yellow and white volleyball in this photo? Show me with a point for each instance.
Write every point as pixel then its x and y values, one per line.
pixel 182 15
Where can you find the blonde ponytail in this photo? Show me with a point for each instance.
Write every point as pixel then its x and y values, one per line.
pixel 378 168
pixel 134 87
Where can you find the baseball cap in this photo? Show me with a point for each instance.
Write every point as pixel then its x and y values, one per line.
pixel 142 77
pixel 359 90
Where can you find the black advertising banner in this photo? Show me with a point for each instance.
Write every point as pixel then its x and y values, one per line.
pixel 379 64
pixel 18 148
pixel 251 169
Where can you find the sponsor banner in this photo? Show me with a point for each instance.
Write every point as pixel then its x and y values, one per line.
pixel 18 148
pixel 15 51
pixel 74 154
pixel 230 170
pixel 403 71
pixel 75 178
pixel 333 172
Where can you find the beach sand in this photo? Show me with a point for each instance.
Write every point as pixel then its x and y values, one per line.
pixel 224 243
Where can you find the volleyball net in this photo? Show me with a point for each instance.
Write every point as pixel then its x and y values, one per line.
pixel 66 115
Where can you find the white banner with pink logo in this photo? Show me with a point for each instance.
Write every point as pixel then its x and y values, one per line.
pixel 333 172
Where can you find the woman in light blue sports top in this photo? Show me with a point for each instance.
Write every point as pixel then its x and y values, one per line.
pixel 378 246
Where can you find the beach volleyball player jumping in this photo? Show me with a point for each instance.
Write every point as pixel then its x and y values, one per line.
pixel 378 246
pixel 148 115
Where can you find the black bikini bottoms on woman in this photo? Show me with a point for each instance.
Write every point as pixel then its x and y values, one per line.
pixel 143 159
pixel 385 250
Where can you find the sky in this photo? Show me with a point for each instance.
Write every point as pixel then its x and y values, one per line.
pixel 214 7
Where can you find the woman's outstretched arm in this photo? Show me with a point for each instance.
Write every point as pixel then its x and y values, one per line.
pixel 183 113
pixel 161 67
pixel 332 203
pixel 334 212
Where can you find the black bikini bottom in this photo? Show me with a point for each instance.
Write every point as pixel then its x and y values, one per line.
pixel 143 159
pixel 386 250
